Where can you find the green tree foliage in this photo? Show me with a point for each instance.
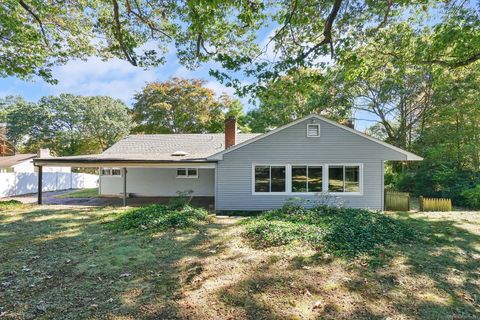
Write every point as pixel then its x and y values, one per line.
pixel 299 94
pixel 449 139
pixel 388 86
pixel 181 106
pixel 67 124
pixel 430 109
pixel 38 34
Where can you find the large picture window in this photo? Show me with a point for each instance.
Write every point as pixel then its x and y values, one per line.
pixel 270 179
pixel 307 178
pixel 343 178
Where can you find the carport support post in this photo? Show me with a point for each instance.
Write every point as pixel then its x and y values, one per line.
pixel 124 175
pixel 40 178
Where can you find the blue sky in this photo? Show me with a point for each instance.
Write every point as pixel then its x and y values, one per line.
pixel 115 78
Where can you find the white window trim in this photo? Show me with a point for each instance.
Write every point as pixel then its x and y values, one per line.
pixel 360 178
pixel 288 179
pixel 111 175
pixel 287 175
pixel 307 165
pixel 186 176
pixel 308 127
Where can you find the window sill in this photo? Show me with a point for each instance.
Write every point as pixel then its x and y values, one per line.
pixel 308 194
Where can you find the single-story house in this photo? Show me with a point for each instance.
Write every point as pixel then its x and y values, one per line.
pixel 24 163
pixel 304 158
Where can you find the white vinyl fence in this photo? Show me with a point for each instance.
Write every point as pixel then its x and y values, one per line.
pixel 18 183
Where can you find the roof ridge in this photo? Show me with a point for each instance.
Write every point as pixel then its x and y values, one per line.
pixel 185 134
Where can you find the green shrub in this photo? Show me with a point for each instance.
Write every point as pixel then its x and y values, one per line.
pixel 182 199
pixel 264 233
pixel 341 231
pixel 160 218
pixel 9 204
pixel 472 196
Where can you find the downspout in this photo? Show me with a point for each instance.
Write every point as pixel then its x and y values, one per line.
pixel 39 190
pixel 124 174
pixel 383 185
pixel 215 188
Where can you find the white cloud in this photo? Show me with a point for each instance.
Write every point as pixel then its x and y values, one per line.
pixel 268 44
pixel 183 72
pixel 115 78
pixel 219 88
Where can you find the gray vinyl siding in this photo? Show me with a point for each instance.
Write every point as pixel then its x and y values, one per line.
pixel 159 182
pixel 292 146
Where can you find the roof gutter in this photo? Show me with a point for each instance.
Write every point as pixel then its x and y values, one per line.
pixel 93 163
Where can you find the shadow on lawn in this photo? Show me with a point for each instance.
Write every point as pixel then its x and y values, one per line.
pixel 64 263
pixel 438 278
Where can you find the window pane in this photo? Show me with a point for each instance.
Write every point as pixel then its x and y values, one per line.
pixel 181 172
pixel 262 178
pixel 116 172
pixel 299 179
pixel 315 179
pixel 105 172
pixel 278 179
pixel 335 178
pixel 352 179
pixel 192 172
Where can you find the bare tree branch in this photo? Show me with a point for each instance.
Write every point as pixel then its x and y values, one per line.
pixel 456 64
pixel 327 31
pixel 141 16
pixel 385 16
pixel 287 23
pixel 118 34
pixel 37 18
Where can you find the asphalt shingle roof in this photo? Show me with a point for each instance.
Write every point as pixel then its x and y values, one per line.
pixel 160 147
pixel 10 161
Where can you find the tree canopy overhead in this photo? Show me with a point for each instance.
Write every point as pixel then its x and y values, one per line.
pixel 38 34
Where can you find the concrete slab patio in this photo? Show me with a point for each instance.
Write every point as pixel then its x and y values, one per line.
pixel 51 198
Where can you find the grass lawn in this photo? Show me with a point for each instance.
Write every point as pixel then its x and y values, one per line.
pixel 65 262
pixel 82 193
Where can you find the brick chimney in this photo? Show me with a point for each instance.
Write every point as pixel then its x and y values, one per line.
pixel 349 123
pixel 43 153
pixel 230 131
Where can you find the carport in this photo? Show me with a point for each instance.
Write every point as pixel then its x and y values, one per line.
pixel 104 161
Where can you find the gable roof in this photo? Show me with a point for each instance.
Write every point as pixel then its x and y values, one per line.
pixel 162 146
pixel 408 155
pixel 155 148
pixel 159 148
pixel 11 161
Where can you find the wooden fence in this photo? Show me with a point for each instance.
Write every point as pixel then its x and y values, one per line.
pixel 435 204
pixel 397 201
